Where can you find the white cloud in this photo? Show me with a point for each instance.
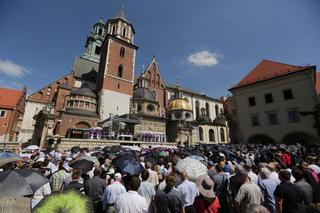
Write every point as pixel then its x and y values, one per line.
pixel 11 69
pixel 203 58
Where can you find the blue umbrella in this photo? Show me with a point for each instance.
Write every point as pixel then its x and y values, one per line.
pixel 7 157
pixel 130 166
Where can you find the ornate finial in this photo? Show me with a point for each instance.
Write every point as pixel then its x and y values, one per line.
pixel 142 67
pixel 123 6
pixel 178 82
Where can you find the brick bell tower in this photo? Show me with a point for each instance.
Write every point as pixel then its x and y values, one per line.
pixel 116 69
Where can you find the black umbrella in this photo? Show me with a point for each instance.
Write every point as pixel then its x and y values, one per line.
pixel 75 149
pixel 129 165
pixel 21 182
pixel 84 165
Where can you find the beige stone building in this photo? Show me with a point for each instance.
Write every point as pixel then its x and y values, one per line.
pixel 277 103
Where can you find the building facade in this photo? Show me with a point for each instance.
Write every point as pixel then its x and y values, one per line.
pixel 12 105
pixel 101 88
pixel 277 103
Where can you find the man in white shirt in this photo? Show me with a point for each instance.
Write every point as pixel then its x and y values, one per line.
pixel 189 191
pixel 131 201
pixel 112 193
pixel 253 177
pixel 146 190
pixel 153 176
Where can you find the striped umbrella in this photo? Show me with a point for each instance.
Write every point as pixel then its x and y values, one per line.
pixel 193 167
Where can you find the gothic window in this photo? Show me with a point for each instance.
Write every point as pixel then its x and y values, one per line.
pixel 100 31
pixel 124 32
pixel 158 80
pixel 113 30
pixel 211 135
pixel 97 50
pixel 222 136
pixel 197 109
pixel 217 110
pixel 200 134
pixel 139 108
pixel 122 52
pixel 120 71
pixel 207 109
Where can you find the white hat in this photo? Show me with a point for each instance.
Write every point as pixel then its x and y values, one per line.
pixel 117 175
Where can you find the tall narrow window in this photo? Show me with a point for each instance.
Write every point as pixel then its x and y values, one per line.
pixel 207 109
pixel 197 109
pixel 122 50
pixel 200 134
pixel 294 116
pixel 252 101
pixel 222 136
pixel 255 120
pixel 124 32
pixel 217 110
pixel 100 31
pixel 211 135
pixel 113 30
pixel 97 50
pixel 120 71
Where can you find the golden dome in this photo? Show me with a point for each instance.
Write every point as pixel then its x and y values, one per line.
pixel 179 104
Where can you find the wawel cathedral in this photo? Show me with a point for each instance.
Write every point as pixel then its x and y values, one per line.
pixel 101 98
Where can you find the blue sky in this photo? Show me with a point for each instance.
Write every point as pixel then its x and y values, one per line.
pixel 209 44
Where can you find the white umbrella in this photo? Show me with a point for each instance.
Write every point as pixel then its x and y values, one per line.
pixel 32 147
pixel 194 168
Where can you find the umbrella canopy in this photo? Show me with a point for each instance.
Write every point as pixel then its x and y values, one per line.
pixel 194 168
pixel 69 201
pixel 75 149
pixel 32 147
pixel 197 157
pixel 7 157
pixel 93 159
pixel 129 165
pixel 84 165
pixel 21 182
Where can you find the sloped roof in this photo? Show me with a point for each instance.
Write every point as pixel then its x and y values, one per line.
pixel 84 68
pixel 318 83
pixel 9 98
pixel 266 70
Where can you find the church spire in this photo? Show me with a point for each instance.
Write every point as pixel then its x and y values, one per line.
pixel 178 89
pixel 121 14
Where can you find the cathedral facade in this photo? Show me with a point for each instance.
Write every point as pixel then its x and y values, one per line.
pixel 102 85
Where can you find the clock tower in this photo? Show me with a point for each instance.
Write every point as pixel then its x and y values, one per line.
pixel 116 69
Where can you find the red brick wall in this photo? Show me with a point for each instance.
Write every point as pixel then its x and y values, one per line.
pixel 114 60
pixel 62 95
pixel 43 95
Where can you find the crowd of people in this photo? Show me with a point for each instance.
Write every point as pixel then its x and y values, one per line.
pixel 239 178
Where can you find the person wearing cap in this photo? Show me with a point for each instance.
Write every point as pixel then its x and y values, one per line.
pixel 206 201
pixel 211 171
pixel 112 193
pixel 249 193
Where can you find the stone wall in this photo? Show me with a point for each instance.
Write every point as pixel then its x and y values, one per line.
pixel 68 143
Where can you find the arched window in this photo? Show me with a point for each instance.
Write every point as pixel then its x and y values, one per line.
pixel 217 110
pixel 122 50
pixel 197 109
pixel 211 135
pixel 100 31
pixel 207 109
pixel 124 32
pixel 113 30
pixel 120 71
pixel 223 138
pixel 200 134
